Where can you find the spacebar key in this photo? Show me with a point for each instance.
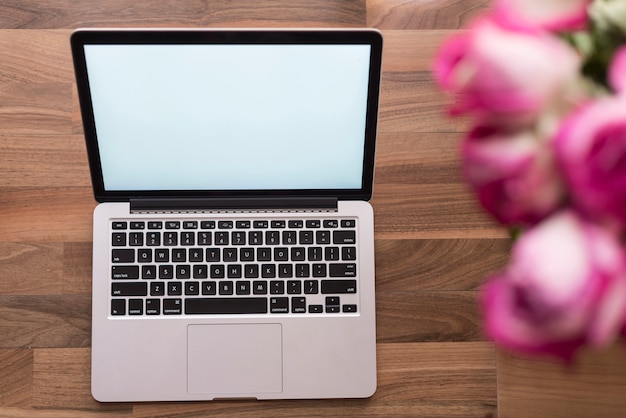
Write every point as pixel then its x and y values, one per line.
pixel 225 306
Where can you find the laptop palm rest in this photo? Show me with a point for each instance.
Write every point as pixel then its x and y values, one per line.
pixel 231 359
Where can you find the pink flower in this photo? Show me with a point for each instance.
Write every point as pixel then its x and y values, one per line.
pixel 551 15
pixel 617 71
pixel 498 73
pixel 591 149
pixel 512 174
pixel 564 287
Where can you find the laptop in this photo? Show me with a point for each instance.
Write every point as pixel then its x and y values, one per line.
pixel 233 243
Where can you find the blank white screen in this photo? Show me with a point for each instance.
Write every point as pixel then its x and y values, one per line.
pixel 229 117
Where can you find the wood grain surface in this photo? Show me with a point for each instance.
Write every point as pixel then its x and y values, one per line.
pixel 434 247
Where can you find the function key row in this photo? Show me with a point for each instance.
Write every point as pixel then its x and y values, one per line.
pixel 262 224
pixel 269 237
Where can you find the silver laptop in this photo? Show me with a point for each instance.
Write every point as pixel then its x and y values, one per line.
pixel 233 243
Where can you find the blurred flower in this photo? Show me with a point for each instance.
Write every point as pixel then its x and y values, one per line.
pixel 514 178
pixel 505 75
pixel 544 82
pixel 564 287
pixel 591 147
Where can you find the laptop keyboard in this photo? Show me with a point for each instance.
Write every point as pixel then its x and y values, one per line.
pixel 223 267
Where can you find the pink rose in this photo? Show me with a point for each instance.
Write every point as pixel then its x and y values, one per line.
pixel 617 71
pixel 591 149
pixel 551 15
pixel 510 76
pixel 564 287
pixel 512 174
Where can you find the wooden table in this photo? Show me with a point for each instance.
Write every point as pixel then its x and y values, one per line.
pixel 433 246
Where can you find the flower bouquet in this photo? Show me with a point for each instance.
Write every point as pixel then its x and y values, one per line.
pixel 543 83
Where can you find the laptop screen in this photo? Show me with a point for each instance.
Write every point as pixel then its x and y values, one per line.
pixel 232 117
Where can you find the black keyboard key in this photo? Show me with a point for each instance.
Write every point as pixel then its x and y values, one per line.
pixel 272 237
pixel 344 237
pixel 118 239
pixel 226 287
pixel 137 225
pixel 242 287
pixel 342 270
pixel 302 270
pixel 218 271
pixel 170 238
pixel 157 289
pixel 278 224
pixel 311 287
pixel 155 225
pixel 277 287
pixel 174 288
pixel 319 270
pixel 172 306
pixel 183 271
pixel 172 225
pixel 144 255
pixel 316 309
pixel 225 306
pixel 119 225
pixel 124 272
pixel 148 272
pixel 242 224
pixel 118 307
pixel 348 223
pixel 225 225
pixel 349 308
pixel 135 239
pixel 331 223
pixel 251 271
pixel 279 305
pixel 135 306
pixel 322 237
pixel 221 238
pixel 348 253
pixel 129 289
pixel 179 255
pixel 314 223
pixel 239 238
pixel 332 304
pixel 289 237
pixel 166 272
pixel 260 224
pixel 333 287
pixel 153 239
pixel 200 271
pixel 207 224
pixel 294 287
pixel 192 288
pixel 190 225
pixel 213 255
pixel 204 238
pixel 153 307
pixel 187 238
pixel 298 305
pixel 306 237
pixel 209 288
pixel 123 256
pixel 296 224
pixel 259 287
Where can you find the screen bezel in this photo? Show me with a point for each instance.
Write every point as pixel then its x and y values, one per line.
pixel 370 37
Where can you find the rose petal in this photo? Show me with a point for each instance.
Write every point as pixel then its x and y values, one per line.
pixel 617 71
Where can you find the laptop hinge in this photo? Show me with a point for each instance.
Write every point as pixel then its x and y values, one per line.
pixel 200 204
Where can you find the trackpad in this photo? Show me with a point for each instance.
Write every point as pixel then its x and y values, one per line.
pixel 234 359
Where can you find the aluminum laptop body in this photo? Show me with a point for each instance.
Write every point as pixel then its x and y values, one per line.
pixel 218 159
